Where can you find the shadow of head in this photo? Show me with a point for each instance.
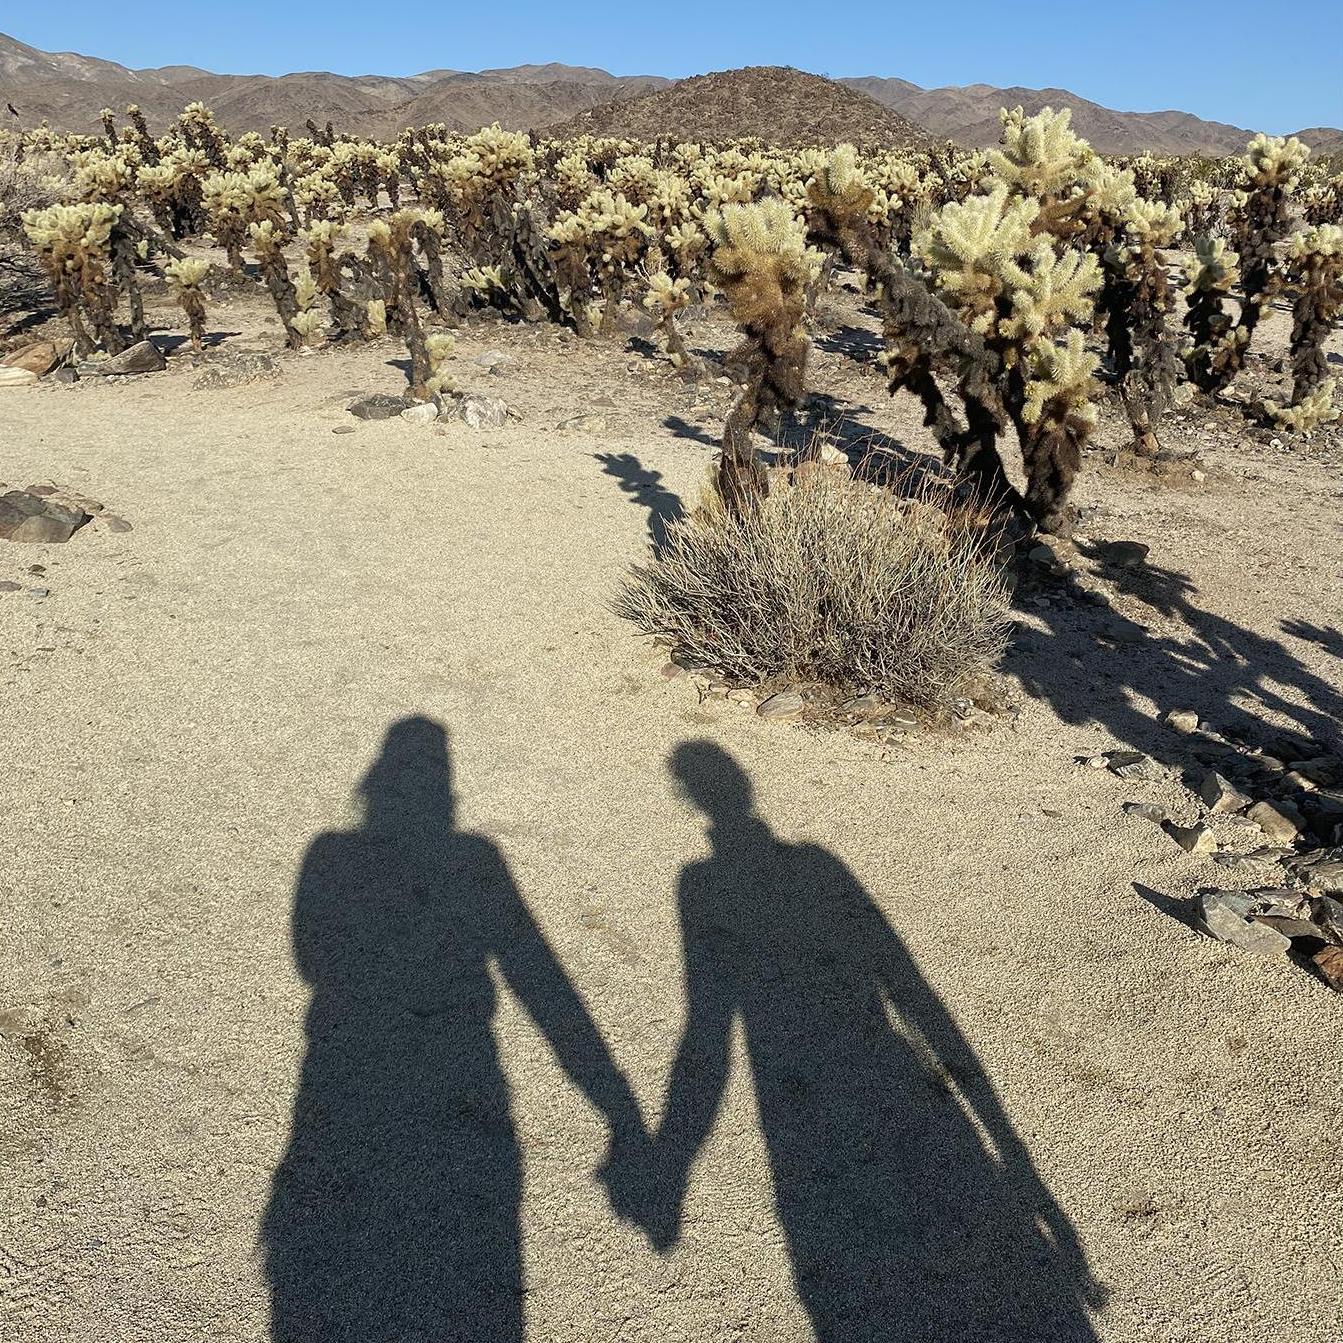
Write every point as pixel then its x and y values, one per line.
pixel 410 783
pixel 710 779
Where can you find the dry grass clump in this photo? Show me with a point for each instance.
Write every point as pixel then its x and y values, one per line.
pixel 833 581
pixel 23 186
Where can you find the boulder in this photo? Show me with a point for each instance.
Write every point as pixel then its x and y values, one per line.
pixel 39 358
pixel 483 412
pixel 30 518
pixel 379 406
pixel 144 357
pixel 17 377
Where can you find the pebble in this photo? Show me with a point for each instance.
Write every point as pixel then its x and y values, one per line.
pixel 786 704
pixel 1220 796
pixel 7 586
pixel 1131 765
pixel 116 524
pixel 343 429
pixel 1148 811
pixel 1280 821
pixel 1196 839
pixel 1182 720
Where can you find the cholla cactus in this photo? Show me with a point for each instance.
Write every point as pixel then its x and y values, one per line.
pixel 1138 300
pixel 665 298
pixel 763 265
pixel 75 245
pixel 1271 168
pixel 269 244
pixel 613 233
pixel 239 202
pixel 840 198
pixel 1314 273
pixel 186 276
pixel 1042 160
pixel 1210 278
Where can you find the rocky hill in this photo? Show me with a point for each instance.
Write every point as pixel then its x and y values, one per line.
pixel 773 103
pixel 969 115
pixel 69 91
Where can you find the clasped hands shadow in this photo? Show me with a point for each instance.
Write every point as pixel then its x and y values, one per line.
pixel 902 1188
pixel 645 1183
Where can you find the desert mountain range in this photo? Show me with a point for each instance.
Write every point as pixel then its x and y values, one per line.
pixel 68 91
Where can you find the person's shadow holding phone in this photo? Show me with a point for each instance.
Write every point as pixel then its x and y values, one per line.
pixel 911 1207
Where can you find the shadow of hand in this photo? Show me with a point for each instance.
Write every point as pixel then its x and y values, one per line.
pixel 632 1180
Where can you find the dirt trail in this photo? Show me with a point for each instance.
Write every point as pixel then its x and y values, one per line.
pixel 197 701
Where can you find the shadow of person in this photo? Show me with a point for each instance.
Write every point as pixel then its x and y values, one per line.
pixel 395 1211
pixel 911 1207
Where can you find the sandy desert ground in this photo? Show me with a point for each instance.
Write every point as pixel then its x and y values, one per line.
pixel 353 850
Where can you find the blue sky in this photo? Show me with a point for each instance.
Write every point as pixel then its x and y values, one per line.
pixel 1272 68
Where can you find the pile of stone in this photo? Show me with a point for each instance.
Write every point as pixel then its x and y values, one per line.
pixel 1287 789
pixel 1280 920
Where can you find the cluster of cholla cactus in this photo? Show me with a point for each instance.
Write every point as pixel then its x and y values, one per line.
pixel 1261 221
pixel 90 254
pixel 763 265
pixel 989 270
pixel 1314 275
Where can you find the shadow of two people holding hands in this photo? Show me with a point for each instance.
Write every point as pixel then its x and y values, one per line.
pixel 910 1206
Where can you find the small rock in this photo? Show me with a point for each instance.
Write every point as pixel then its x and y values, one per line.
pixel 1328 914
pixel 343 429
pixel 8 586
pixel 1148 811
pixel 1124 554
pixel 584 424
pixel 1280 821
pixel 671 671
pixel 490 359
pixel 1259 862
pixel 865 706
pixel 1223 915
pixel 1182 720
pixel 28 518
pixel 116 524
pixel 1197 476
pixel 379 406
pixel 40 357
pixel 1196 839
pixel 423 412
pixel 1322 870
pixel 144 357
pixel 1131 765
pixel 236 369
pixel 484 412
pixel 786 704
pixel 1329 962
pixel 39 592
pixel 68 374
pixel 1220 796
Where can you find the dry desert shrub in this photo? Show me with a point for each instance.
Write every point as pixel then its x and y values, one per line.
pixel 829 580
pixel 24 185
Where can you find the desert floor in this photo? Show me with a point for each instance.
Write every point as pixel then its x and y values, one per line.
pixel 352 850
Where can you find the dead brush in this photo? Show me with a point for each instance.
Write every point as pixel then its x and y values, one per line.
pixel 830 581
